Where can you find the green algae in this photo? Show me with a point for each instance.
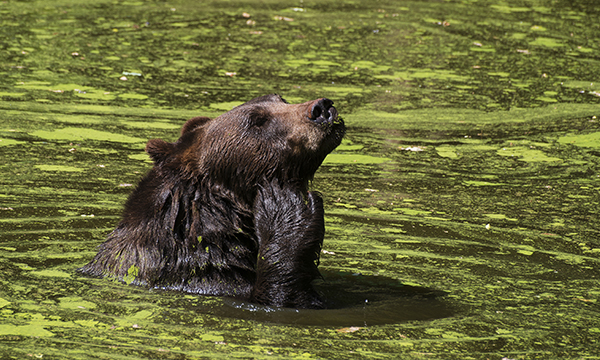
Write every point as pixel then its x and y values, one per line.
pixel 527 154
pixel 142 157
pixel 337 158
pixel 51 273
pixel 9 142
pixel 547 42
pixel 151 125
pixel 481 183
pixel 348 146
pixel 226 106
pixel 591 140
pixel 46 167
pixel 132 274
pixel 447 151
pixel 24 330
pixel 3 303
pixel 133 96
pixel 11 94
pixel 75 303
pixel 79 134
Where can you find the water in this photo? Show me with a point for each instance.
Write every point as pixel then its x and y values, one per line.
pixel 462 208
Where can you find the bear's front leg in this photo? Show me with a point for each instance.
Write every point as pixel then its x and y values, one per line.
pixel 290 234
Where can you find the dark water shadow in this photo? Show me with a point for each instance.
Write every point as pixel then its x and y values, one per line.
pixel 352 300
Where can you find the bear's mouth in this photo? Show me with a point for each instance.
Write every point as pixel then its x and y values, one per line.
pixel 325 115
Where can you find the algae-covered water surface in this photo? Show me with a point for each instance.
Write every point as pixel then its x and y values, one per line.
pixel 461 209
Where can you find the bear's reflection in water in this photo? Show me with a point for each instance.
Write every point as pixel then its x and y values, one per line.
pixel 352 300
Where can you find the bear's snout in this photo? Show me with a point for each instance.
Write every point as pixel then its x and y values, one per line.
pixel 323 113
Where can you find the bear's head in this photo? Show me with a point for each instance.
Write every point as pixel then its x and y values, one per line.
pixel 264 139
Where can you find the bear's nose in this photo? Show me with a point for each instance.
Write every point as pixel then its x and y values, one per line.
pixel 323 111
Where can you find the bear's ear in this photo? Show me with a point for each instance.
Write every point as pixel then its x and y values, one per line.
pixel 159 149
pixel 193 123
pixel 258 116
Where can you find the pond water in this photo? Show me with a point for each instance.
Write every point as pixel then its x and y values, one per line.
pixel 461 209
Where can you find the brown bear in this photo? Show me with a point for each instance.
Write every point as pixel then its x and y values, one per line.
pixel 226 208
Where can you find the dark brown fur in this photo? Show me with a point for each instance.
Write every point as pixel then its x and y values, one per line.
pixel 225 210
